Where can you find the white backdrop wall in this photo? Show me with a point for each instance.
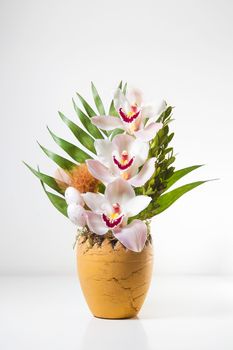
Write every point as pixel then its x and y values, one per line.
pixel 178 50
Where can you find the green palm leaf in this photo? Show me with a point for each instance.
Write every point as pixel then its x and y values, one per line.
pixel 76 153
pixel 98 101
pixel 86 140
pixel 60 161
pixel 90 112
pixel 48 180
pixel 167 199
pixel 125 89
pixel 86 121
pixel 116 132
pixel 120 85
pixel 178 174
pixel 58 202
pixel 113 112
pixel 112 109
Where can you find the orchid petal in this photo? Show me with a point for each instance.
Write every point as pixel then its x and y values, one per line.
pixel 135 97
pixel 73 196
pixel 123 142
pixel 76 214
pixel 95 201
pixel 144 174
pixel 96 223
pixel 152 111
pixel 137 204
pixel 104 149
pixel 148 111
pixel 140 150
pixel 119 191
pixel 107 122
pixel 132 236
pixel 133 146
pixel 148 132
pixel 62 176
pixel 99 171
pixel 120 101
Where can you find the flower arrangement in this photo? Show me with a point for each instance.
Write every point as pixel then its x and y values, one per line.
pixel 121 169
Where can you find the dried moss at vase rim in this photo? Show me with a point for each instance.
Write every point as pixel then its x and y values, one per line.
pixel 93 238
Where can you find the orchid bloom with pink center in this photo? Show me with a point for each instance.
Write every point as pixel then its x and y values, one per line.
pixel 110 212
pixel 75 210
pixel 122 157
pixel 134 117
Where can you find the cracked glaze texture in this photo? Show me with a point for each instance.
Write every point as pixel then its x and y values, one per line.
pixel 115 280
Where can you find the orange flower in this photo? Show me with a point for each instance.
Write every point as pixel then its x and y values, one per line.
pixel 79 177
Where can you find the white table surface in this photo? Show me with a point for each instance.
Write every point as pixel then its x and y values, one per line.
pixel 183 313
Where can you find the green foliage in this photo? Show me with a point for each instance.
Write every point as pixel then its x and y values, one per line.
pixel 114 113
pixel 60 161
pixel 90 112
pixel 167 199
pixel 165 116
pixel 165 175
pixel 58 202
pixel 112 109
pixel 116 132
pixel 160 149
pixel 75 152
pixel 120 85
pixel 125 89
pixel 48 180
pixel 86 121
pixel 177 175
pixel 86 140
pixel 98 101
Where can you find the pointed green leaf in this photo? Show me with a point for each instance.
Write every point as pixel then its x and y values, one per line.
pixel 178 174
pixel 76 153
pixel 167 199
pixel 81 135
pixel 112 109
pixel 58 202
pixel 116 132
pixel 120 85
pixel 86 121
pixel 90 112
pixel 48 180
pixel 170 161
pixel 60 161
pixel 98 101
pixel 164 115
pixel 125 89
pixel 170 137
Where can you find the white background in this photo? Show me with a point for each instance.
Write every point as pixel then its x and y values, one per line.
pixel 181 51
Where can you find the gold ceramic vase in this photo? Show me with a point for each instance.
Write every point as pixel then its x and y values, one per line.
pixel 114 280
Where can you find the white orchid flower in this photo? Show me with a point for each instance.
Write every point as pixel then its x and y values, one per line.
pixel 123 158
pixel 134 117
pixel 110 212
pixel 75 210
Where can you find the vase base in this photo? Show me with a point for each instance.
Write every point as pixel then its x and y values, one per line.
pixel 116 317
